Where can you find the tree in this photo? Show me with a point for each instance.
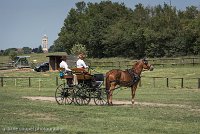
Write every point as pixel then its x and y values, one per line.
pixel 12 55
pixel 26 50
pixel 51 48
pixel 110 29
pixel 40 49
pixel 35 50
pixel 7 51
pixel 1 52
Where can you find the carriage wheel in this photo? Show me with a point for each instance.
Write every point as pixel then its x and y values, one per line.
pixel 82 95
pixel 100 97
pixel 64 95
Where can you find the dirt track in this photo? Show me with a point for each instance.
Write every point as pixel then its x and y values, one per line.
pixel 18 70
pixel 118 103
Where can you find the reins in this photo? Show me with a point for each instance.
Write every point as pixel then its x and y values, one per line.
pixel 94 70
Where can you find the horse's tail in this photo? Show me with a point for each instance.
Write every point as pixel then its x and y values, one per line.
pixel 107 84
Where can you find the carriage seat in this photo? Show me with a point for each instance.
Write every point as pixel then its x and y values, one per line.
pixel 79 70
pixel 81 74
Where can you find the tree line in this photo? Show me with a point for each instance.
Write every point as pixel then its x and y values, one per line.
pixel 110 29
pixel 12 52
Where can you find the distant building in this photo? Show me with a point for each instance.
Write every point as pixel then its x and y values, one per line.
pixel 45 43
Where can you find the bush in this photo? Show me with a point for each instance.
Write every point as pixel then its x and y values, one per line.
pixel 12 55
pixel 78 48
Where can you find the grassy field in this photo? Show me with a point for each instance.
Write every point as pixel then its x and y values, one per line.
pixel 19 115
pixel 189 74
pixel 157 110
pixel 118 62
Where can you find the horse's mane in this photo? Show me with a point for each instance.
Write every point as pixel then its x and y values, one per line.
pixel 135 64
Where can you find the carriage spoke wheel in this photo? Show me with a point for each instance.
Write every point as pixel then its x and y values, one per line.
pixel 100 97
pixel 64 95
pixel 82 95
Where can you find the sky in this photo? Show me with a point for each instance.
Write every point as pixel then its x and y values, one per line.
pixel 23 23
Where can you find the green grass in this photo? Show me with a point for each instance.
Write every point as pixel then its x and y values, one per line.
pixel 178 112
pixel 20 113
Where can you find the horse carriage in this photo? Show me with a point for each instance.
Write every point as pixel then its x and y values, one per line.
pixel 80 88
pixel 90 86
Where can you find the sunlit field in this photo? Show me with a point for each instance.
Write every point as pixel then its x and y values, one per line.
pixel 158 108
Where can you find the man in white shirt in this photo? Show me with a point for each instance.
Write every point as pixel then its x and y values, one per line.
pixel 68 71
pixel 80 62
pixel 64 65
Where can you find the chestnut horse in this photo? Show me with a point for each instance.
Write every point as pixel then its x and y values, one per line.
pixel 128 78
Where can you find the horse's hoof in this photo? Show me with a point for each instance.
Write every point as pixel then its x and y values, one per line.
pixel 110 104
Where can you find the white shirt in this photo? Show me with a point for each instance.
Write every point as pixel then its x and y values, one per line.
pixel 81 64
pixel 64 65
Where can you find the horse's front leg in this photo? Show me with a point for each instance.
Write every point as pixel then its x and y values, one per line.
pixel 133 90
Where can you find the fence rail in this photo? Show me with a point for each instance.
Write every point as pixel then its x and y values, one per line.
pixel 162 62
pixel 46 82
pixel 30 81
pixel 171 82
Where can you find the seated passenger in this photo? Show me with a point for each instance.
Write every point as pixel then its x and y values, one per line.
pixel 80 62
pixel 64 65
pixel 68 71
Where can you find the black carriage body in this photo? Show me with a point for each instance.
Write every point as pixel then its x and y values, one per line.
pixel 94 82
pixel 88 87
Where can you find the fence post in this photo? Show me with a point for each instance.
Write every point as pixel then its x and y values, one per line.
pixel 167 82
pixel 2 81
pixel 56 81
pixel 119 64
pixel 29 81
pixel 181 82
pixel 15 81
pixel 198 83
pixel 193 61
pixel 39 83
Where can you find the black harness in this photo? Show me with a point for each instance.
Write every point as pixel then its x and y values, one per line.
pixel 134 76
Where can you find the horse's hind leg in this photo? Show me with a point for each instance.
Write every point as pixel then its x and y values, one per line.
pixel 133 90
pixel 112 88
pixel 109 97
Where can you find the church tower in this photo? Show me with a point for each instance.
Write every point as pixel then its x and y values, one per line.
pixel 45 43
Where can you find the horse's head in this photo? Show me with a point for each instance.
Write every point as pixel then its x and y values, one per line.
pixel 146 65
pixel 140 65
